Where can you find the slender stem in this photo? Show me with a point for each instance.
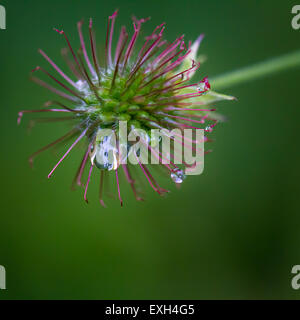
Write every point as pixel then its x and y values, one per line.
pixel 257 70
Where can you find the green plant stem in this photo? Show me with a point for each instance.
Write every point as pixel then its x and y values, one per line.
pixel 255 71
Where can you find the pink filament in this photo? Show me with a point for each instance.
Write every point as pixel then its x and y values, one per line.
pixel 82 42
pixel 69 45
pixel 69 150
pixel 57 68
pixel 83 165
pixel 112 19
pixel 54 90
pixel 120 42
pixel 101 189
pixel 60 83
pixel 118 185
pixel 93 47
pixel 87 184
pixel 21 113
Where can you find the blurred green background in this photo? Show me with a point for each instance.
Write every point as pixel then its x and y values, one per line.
pixel 232 233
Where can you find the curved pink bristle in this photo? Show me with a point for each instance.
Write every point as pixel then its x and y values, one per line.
pixel 88 182
pixel 33 156
pixel 93 48
pixel 101 189
pixel 83 165
pixel 59 82
pixel 69 150
pixel 118 185
pixel 82 43
pixel 71 82
pixel 120 43
pixel 61 32
pixel 21 113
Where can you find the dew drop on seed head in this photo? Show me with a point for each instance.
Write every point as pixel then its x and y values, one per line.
pixel 178 176
pixel 201 87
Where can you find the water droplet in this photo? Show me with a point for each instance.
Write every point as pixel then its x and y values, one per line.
pixel 203 86
pixel 208 129
pixel 82 86
pixel 178 176
pixel 105 154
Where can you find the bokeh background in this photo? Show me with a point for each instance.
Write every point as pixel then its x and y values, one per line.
pixel 232 233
